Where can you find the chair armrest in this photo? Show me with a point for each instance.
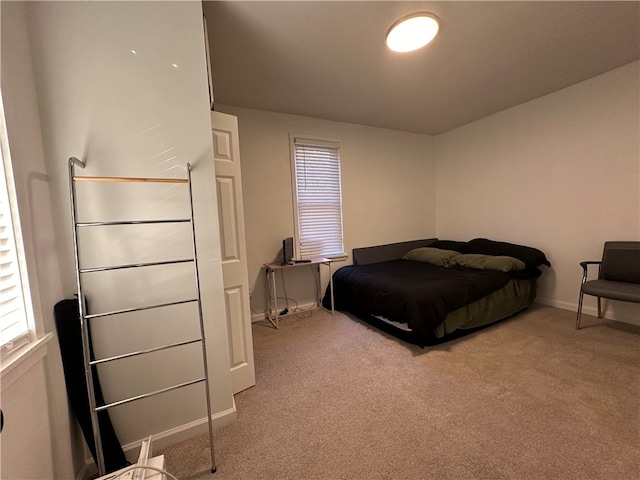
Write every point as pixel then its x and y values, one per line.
pixel 585 267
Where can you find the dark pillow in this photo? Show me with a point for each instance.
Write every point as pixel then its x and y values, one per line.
pixel 434 256
pixel 499 263
pixel 532 257
pixel 447 245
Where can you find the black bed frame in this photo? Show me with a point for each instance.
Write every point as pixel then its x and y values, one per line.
pixel 390 251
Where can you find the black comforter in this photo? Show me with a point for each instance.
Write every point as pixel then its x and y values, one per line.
pixel 417 293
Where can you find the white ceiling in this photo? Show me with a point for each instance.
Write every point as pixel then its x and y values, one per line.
pixel 329 59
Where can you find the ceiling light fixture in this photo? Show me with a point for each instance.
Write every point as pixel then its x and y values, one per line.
pixel 412 32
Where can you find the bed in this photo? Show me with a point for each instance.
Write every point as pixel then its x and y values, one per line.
pixel 426 291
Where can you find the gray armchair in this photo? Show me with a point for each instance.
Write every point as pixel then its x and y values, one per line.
pixel 618 275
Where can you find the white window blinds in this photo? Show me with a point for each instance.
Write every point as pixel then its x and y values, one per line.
pixel 318 193
pixel 14 325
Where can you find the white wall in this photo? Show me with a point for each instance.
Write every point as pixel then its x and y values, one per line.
pixel 140 114
pixel 560 173
pixel 33 395
pixel 387 187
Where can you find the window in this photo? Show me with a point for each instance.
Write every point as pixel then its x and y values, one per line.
pixel 317 198
pixel 14 318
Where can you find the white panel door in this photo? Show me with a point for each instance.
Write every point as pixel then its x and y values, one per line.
pixel 233 245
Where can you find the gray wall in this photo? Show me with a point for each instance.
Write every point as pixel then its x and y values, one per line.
pixel 74 87
pixel 388 189
pixel 561 173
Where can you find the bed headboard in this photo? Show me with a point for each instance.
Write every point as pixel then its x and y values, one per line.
pixel 384 253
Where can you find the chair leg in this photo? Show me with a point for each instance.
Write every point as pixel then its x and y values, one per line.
pixel 599 309
pixel 579 310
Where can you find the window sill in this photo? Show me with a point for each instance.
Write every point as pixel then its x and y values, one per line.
pixel 16 363
pixel 338 258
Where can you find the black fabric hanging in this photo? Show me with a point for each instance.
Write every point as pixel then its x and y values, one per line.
pixel 67 319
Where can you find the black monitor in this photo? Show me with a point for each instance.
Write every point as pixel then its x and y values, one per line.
pixel 287 250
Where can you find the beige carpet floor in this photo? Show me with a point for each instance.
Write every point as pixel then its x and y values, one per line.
pixel 527 398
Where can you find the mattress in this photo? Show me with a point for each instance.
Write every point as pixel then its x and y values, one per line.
pixel 426 290
pixel 420 294
pixel 517 295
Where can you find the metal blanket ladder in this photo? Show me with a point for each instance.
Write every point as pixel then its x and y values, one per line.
pixel 90 363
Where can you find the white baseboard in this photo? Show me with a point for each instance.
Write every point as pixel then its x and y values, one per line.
pixel 259 317
pixel 182 432
pixel 166 438
pixel 565 305
pixel 609 314
pixel 587 310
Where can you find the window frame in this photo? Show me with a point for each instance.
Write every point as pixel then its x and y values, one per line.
pixel 318 141
pixel 8 192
